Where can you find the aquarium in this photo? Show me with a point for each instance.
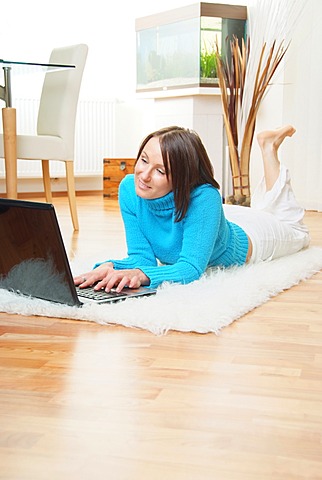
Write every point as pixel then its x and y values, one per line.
pixel 176 49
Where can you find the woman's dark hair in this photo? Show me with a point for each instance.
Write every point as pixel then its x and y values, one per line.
pixel 185 158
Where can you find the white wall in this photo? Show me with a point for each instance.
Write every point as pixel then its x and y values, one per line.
pixel 29 30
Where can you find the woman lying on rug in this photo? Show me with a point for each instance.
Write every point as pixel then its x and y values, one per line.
pixel 176 225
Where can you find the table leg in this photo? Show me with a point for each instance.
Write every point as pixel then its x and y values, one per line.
pixel 10 150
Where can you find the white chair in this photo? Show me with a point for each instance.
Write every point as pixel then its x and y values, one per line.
pixel 56 121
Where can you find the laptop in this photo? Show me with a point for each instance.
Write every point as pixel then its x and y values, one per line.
pixel 33 259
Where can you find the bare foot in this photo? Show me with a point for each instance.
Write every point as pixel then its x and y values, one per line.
pixel 272 139
pixel 269 142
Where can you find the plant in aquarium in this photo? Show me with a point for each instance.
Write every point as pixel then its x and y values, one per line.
pixel 208 64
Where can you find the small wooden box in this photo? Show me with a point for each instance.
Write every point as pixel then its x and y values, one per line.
pixel 115 170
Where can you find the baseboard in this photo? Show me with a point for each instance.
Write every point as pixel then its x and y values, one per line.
pixel 31 187
pixel 81 193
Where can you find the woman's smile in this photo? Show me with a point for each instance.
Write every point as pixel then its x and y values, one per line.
pixel 142 185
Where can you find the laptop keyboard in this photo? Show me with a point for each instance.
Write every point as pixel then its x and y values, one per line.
pixel 97 294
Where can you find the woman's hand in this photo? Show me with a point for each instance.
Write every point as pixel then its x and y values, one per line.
pixel 118 279
pixel 90 278
pixel 105 277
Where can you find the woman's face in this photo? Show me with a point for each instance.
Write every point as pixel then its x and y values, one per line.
pixel 150 177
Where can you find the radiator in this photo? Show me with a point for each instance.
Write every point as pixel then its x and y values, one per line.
pixel 94 138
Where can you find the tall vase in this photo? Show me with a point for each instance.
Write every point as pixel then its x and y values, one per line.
pixel 240 178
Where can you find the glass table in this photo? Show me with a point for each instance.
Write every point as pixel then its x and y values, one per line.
pixel 9 114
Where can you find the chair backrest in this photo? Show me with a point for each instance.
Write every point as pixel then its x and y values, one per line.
pixel 60 93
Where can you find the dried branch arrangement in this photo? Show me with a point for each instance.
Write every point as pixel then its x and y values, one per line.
pixel 232 75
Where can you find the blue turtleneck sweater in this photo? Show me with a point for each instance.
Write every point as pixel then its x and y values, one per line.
pixel 166 250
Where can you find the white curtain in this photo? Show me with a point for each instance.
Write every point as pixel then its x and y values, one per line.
pixel 303 105
pixel 296 97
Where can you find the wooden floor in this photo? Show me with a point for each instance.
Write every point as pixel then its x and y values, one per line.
pixel 83 401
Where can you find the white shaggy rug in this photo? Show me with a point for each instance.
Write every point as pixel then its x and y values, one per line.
pixel 206 305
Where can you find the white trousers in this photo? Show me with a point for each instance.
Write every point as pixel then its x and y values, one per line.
pixel 274 222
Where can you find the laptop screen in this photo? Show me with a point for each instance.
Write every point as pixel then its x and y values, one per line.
pixel 33 259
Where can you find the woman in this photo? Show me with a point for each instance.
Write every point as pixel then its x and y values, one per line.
pixel 176 226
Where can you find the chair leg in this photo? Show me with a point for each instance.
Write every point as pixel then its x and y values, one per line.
pixel 46 180
pixel 71 192
pixel 10 150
